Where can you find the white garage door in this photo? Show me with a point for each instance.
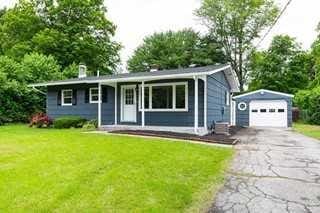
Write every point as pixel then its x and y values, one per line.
pixel 268 113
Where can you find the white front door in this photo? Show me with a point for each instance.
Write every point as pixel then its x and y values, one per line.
pixel 268 113
pixel 128 103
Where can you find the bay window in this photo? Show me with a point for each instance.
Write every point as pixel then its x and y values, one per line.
pixel 165 97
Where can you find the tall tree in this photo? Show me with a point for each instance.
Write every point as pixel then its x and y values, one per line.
pixel 71 31
pixel 283 67
pixel 236 24
pixel 169 50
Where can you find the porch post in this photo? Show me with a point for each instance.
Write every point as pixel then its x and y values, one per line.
pixel 196 110
pixel 99 105
pixel 142 105
pixel 116 104
pixel 205 104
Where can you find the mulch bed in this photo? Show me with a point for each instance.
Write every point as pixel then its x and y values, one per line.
pixel 212 138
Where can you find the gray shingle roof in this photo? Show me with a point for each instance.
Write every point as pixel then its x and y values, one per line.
pixel 124 76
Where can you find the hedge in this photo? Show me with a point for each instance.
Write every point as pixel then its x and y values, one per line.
pixel 68 122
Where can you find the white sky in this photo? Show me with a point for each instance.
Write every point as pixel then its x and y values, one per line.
pixel 136 19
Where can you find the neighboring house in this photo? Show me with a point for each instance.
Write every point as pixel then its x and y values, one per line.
pixel 264 108
pixel 182 100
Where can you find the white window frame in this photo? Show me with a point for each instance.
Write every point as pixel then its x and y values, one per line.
pixel 173 109
pixel 90 95
pixel 62 97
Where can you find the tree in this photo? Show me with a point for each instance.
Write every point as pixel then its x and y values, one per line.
pixel 283 67
pixel 169 50
pixel 78 31
pixel 235 25
pixel 71 31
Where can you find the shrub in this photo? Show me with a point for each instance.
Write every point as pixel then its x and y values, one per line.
pixel 91 125
pixel 40 120
pixel 67 122
pixel 309 102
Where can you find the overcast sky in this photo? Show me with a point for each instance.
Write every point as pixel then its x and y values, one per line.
pixel 136 19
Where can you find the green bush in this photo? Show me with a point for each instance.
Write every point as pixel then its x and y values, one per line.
pixel 67 122
pixel 91 125
pixel 309 102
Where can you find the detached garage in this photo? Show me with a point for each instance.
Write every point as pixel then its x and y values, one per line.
pixel 263 108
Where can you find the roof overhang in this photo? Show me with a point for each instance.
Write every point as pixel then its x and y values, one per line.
pixel 229 73
pixel 264 91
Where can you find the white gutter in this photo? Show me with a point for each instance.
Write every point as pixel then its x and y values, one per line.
pixel 139 78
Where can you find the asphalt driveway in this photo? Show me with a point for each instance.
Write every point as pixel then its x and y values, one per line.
pixel 275 170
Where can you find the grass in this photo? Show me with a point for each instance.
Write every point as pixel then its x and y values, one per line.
pixel 307 129
pixel 70 171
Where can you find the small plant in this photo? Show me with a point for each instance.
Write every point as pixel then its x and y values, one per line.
pixel 67 122
pixel 91 125
pixel 40 120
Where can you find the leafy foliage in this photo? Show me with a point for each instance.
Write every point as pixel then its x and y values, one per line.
pixel 309 100
pixel 67 122
pixel 235 24
pixel 169 50
pixel 279 67
pixel 44 40
pixel 40 120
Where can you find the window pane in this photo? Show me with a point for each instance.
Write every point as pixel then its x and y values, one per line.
pixel 280 110
pixel 254 110
pixel 162 97
pixel 272 110
pixel 67 100
pixel 94 91
pixel 263 110
pixel 129 99
pixel 180 97
pixel 94 98
pixel 67 93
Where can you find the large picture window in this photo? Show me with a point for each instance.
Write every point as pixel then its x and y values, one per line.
pixel 66 97
pixel 165 97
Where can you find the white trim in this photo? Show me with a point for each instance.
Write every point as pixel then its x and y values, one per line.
pixel 133 86
pixel 196 107
pixel 205 104
pixel 90 95
pixel 234 78
pixel 264 90
pixel 244 106
pixel 62 97
pixel 116 103
pixel 99 105
pixel 174 109
pixel 227 97
pixel 142 105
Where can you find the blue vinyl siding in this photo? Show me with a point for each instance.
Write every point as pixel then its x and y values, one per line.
pixel 217 86
pixel 242 117
pixel 169 118
pixel 85 110
pixel 218 111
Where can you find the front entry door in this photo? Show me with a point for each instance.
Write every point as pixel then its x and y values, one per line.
pixel 129 106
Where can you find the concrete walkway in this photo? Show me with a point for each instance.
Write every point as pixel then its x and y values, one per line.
pixel 275 170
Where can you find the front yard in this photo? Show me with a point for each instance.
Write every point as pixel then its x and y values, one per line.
pixel 306 129
pixel 70 171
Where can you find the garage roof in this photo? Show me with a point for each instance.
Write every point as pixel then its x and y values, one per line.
pixel 264 91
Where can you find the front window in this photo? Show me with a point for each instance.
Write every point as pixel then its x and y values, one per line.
pixel 165 97
pixel 162 97
pixel 66 97
pixel 94 95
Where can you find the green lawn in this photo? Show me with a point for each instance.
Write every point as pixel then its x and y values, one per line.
pixel 70 171
pixel 309 130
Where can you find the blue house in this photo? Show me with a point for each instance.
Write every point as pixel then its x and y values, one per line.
pixel 181 100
